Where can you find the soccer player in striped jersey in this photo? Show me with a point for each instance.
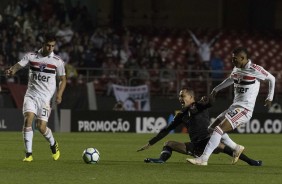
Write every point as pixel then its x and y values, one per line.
pixel 44 67
pixel 246 78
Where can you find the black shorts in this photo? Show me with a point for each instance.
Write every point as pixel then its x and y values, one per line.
pixel 196 149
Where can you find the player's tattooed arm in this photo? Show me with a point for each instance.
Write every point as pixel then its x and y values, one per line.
pixel 11 71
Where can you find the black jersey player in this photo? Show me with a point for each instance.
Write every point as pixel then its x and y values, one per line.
pixel 195 116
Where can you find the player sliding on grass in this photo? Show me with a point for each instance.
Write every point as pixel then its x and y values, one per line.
pixel 44 66
pixel 246 78
pixel 195 116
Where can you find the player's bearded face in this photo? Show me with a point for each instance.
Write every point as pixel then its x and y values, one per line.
pixel 48 47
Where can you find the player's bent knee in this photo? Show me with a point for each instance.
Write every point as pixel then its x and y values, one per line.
pixel 168 143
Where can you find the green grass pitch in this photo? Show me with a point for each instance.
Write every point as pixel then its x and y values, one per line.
pixel 121 164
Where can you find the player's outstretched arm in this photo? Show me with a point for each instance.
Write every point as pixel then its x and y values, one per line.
pixel 11 71
pixel 146 146
pixel 164 132
pixel 227 82
pixel 157 138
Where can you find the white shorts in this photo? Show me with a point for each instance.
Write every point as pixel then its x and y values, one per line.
pixel 236 115
pixel 40 108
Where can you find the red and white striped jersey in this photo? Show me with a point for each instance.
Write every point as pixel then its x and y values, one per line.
pixel 247 83
pixel 42 74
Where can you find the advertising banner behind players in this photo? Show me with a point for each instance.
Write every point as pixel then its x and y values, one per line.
pixel 153 122
pixel 110 121
pixel 135 98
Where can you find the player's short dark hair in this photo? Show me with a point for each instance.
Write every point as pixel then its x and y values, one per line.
pixel 189 90
pixel 241 49
pixel 49 37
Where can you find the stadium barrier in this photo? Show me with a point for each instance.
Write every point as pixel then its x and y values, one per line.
pixel 151 122
pixel 130 121
pixel 12 120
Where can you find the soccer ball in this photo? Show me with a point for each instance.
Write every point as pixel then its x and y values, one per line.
pixel 91 156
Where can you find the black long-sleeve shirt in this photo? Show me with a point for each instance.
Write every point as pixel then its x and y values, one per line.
pixel 196 119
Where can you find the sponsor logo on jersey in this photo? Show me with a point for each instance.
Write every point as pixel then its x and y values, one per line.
pixel 39 77
pixel 241 89
pixel 42 67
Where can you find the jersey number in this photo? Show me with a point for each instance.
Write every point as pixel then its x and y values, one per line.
pixel 45 112
pixel 232 113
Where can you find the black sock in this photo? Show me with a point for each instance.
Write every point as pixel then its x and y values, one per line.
pixel 27 154
pixel 228 151
pixel 166 153
pixel 53 148
pixel 242 157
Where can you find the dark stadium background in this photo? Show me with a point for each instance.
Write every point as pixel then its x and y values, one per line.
pixel 241 18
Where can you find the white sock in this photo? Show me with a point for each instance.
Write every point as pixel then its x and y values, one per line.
pixel 49 136
pixel 213 143
pixel 225 139
pixel 27 137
